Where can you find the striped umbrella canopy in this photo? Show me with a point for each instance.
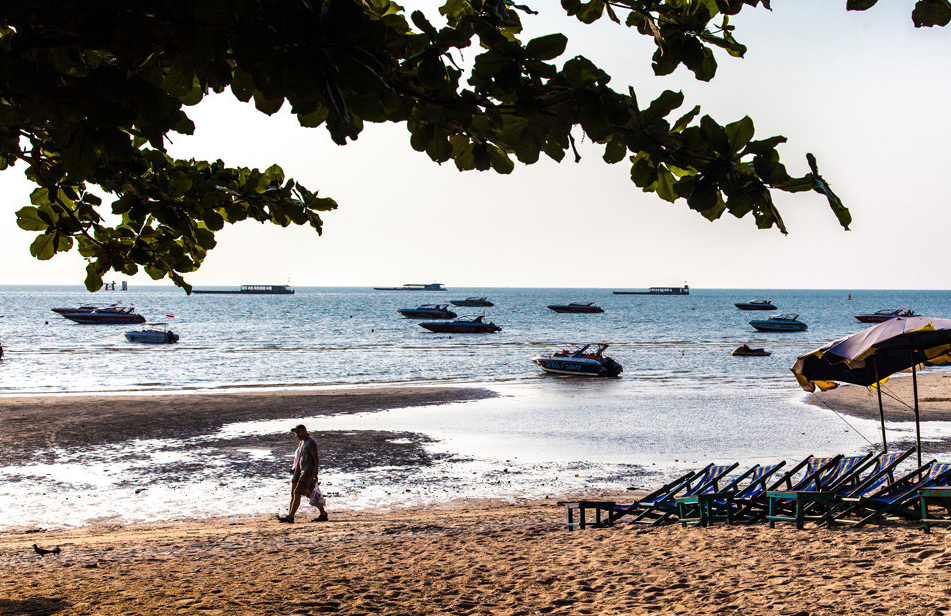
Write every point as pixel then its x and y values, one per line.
pixel 873 354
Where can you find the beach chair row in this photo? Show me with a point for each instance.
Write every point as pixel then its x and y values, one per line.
pixel 835 490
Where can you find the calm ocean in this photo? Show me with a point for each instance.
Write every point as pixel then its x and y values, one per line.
pixel 681 400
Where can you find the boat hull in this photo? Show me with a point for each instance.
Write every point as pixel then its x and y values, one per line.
pixel 578 367
pixel 105 319
pixel 744 306
pixel 461 328
pixel 427 314
pixel 471 303
pixel 576 309
pixel 150 337
pixel 766 326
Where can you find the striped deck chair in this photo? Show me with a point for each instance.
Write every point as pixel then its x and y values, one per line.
pixel 603 510
pixel 899 498
pixel 817 492
pixel 701 509
pixel 881 474
pixel 658 508
pixel 755 507
pixel 819 501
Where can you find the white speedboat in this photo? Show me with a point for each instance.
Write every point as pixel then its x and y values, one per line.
pixel 153 333
pixel 589 360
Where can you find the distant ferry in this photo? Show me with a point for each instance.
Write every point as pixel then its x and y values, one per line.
pixel 253 289
pixel 436 286
pixel 684 290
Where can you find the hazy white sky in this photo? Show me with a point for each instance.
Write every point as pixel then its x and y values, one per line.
pixel 866 92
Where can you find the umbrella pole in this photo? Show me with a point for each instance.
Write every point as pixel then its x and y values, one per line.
pixel 881 409
pixel 914 384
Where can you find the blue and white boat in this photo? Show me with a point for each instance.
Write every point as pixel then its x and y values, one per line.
pixel 428 311
pixel 589 360
pixel 153 333
pixel 780 323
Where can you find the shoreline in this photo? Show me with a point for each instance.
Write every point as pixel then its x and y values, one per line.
pixel 934 398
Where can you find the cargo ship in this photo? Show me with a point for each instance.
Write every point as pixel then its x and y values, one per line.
pixel 684 290
pixel 252 289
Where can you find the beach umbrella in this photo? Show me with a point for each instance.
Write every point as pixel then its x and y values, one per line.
pixel 873 354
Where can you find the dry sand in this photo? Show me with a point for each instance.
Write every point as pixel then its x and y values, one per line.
pixel 479 558
pixel 461 558
pixel 934 398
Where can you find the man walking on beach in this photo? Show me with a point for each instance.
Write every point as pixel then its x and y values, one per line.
pixel 306 464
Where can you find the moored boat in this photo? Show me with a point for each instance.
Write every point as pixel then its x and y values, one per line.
pixel 472 301
pixel 880 316
pixel 589 360
pixel 577 307
pixel 153 333
pixel 745 351
pixel 251 289
pixel 435 286
pixel 463 325
pixel 111 315
pixel 81 309
pixel 428 311
pixel 756 304
pixel 780 323
pixel 684 290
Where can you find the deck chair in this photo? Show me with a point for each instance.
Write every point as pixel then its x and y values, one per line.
pixel 701 509
pixel 755 506
pixel 603 510
pixel 658 508
pixel 899 498
pixel 817 493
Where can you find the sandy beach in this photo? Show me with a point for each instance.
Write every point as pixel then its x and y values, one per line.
pixel 473 558
pixel 463 557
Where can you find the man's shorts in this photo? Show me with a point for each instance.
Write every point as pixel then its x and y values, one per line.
pixel 305 484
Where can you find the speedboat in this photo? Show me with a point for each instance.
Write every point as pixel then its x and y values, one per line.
pixel 81 309
pixel 880 316
pixel 589 360
pixel 745 351
pixel 428 311
pixel 153 333
pixel 463 325
pixel 471 301
pixel 756 304
pixel 111 315
pixel 576 307
pixel 781 323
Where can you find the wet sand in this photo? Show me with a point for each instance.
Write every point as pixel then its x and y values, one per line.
pixel 474 558
pixel 28 424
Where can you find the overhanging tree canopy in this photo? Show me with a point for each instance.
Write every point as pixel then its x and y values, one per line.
pixel 91 89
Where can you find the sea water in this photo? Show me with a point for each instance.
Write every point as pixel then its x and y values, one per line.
pixel 682 400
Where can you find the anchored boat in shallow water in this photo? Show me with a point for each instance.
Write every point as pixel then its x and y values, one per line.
pixel 589 360
pixel 153 333
pixel 428 311
pixel 576 307
pixel 780 323
pixel 463 325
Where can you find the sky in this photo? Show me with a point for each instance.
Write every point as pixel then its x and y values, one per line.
pixel 866 92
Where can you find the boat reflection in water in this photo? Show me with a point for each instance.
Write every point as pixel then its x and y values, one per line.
pixel 589 360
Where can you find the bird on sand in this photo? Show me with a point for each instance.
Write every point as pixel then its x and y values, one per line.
pixel 43 552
